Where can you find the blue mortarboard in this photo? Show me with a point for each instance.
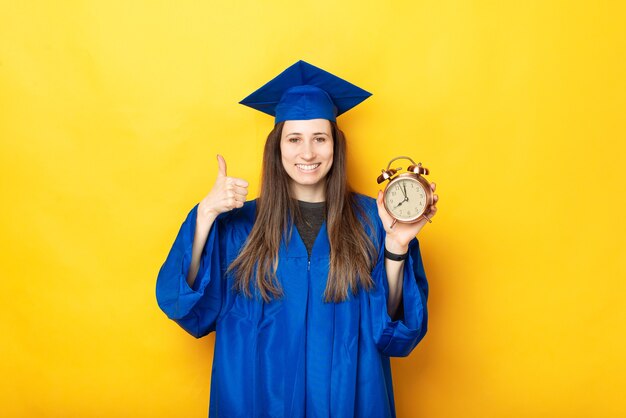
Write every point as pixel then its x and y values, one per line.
pixel 303 92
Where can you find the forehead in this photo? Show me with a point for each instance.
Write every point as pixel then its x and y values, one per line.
pixel 306 126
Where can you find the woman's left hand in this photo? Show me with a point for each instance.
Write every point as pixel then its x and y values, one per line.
pixel 398 237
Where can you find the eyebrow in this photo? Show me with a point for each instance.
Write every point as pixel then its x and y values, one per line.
pixel 314 133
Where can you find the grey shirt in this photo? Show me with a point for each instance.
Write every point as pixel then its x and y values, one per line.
pixel 311 220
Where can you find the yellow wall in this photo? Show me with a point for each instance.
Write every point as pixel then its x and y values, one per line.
pixel 111 114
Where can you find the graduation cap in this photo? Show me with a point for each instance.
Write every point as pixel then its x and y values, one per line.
pixel 304 91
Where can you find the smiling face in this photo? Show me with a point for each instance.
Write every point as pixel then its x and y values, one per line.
pixel 306 148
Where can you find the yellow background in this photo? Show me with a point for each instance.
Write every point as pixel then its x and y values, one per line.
pixel 112 112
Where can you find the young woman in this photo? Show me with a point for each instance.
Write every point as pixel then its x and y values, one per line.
pixel 308 288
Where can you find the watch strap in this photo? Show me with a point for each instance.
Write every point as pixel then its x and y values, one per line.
pixel 396 257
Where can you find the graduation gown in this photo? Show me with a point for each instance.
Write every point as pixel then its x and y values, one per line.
pixel 295 356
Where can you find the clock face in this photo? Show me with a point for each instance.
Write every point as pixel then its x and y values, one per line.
pixel 405 199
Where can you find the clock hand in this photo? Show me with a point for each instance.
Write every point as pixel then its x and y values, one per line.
pixel 406 198
pixel 398 205
pixel 401 191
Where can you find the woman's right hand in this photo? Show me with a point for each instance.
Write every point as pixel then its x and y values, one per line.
pixel 227 193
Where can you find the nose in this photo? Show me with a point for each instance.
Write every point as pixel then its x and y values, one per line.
pixel 307 153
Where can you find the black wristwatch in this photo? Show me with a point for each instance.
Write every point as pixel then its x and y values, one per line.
pixel 396 257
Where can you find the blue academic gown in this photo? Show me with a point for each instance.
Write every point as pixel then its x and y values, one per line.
pixel 296 356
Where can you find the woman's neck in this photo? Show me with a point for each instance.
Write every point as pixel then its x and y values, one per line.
pixel 308 193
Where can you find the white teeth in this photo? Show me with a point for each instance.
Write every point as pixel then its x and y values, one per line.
pixel 307 167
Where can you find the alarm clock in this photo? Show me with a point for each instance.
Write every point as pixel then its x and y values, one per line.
pixel 407 196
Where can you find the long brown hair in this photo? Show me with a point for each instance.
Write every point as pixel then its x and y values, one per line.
pixel 352 252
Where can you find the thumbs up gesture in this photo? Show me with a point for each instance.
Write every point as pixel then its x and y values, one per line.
pixel 227 193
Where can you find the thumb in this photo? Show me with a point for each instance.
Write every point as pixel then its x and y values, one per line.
pixel 382 212
pixel 379 198
pixel 221 163
pixel 379 203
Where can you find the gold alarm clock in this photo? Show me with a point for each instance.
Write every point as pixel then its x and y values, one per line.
pixel 408 196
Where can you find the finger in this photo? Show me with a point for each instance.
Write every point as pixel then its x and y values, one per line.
pixel 382 213
pixel 238 182
pixel 232 203
pixel 436 198
pixel 433 186
pixel 221 164
pixel 236 198
pixel 243 191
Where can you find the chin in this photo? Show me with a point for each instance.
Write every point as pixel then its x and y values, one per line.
pixel 306 182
